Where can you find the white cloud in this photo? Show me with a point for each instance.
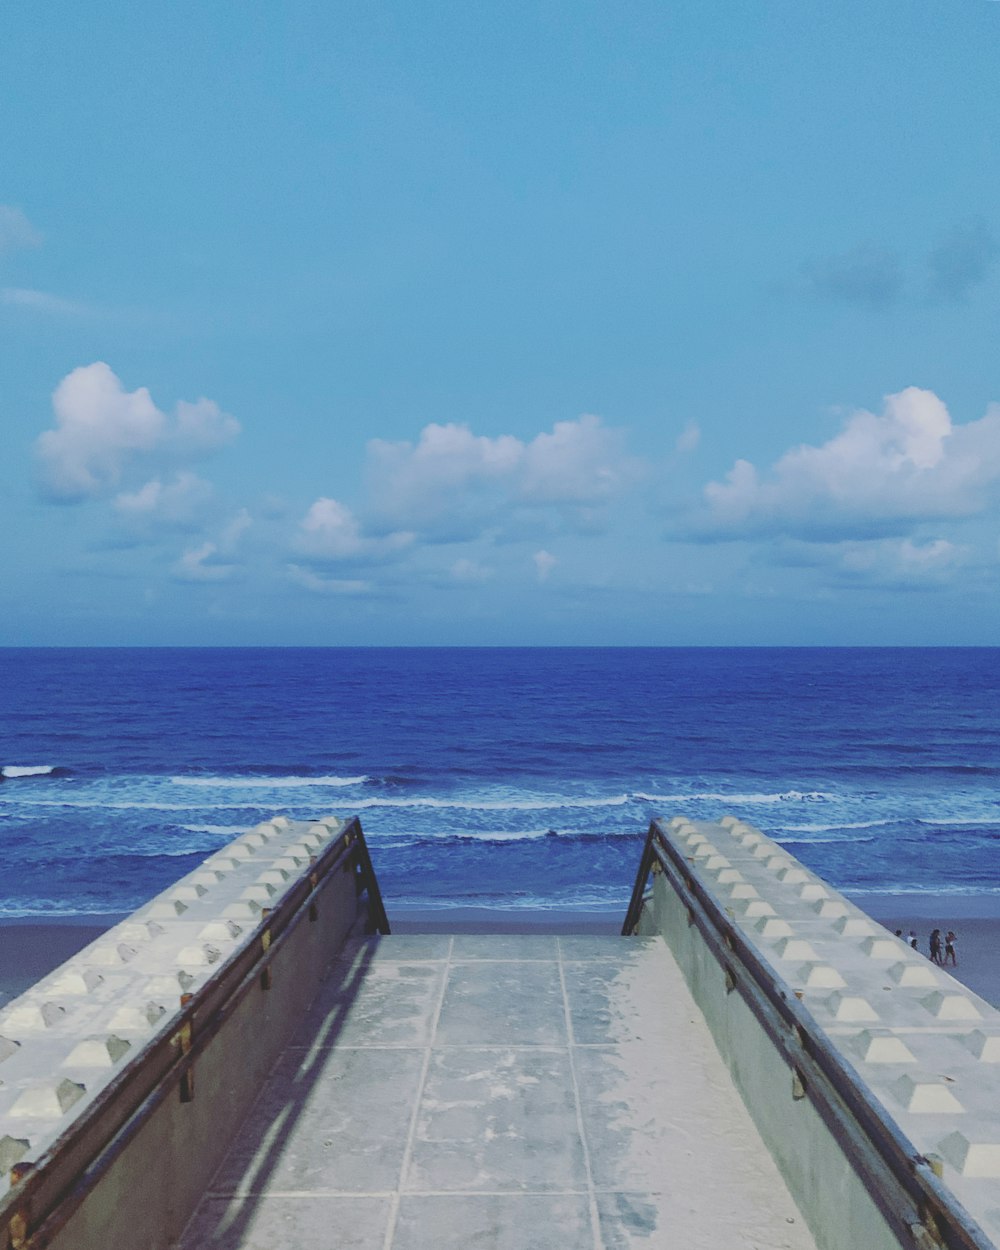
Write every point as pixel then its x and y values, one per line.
pixel 454 484
pixel 330 531
pixel 906 559
pixel 41 302
pixel 470 571
pixel 200 564
pixel 178 502
pixel 544 564
pixel 688 439
pixel 233 532
pixel 16 230
pixel 327 585
pixel 103 431
pixel 879 476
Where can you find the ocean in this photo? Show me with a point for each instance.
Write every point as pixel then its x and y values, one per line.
pixel 498 778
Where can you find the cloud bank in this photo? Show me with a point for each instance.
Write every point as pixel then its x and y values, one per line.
pixel 105 434
pixel 879 476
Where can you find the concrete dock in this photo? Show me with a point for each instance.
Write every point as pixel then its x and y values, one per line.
pixel 502 1091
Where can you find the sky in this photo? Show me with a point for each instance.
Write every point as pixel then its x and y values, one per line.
pixel 549 323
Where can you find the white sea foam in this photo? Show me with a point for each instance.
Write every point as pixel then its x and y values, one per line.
pixel 28 770
pixel 820 841
pixel 221 831
pixel 912 888
pixel 938 821
pixel 785 796
pixel 847 824
pixel 267 783
pixel 135 805
pixel 551 803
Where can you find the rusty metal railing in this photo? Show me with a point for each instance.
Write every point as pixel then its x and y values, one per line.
pixel 919 1207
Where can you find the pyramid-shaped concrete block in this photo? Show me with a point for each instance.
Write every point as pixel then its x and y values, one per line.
pixel 855 926
pixel 972 1156
pixel 795 948
pixel 12 1150
pixel 76 980
pixel 881 947
pixel 47 1100
pixel 907 973
pixel 819 976
pixel 925 1095
pixel 812 890
pixel 985 1046
pixel 876 1047
pixel 97 1052
pixel 945 1006
pixel 850 1007
pixel 138 1018
pixel 829 909
pixel 773 927
pixel 220 931
pixel 32 1015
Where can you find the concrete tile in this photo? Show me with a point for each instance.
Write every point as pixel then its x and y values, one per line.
pixel 405 946
pixel 674 1128
pixel 264 1223
pixel 518 1004
pixel 329 1121
pixel 505 946
pixel 497 1119
pixel 493 1222
pixel 593 946
pixel 630 1221
pixel 636 1103
pixel 392 1004
pixel 612 1000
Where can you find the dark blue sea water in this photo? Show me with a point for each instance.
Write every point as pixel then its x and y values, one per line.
pixel 499 778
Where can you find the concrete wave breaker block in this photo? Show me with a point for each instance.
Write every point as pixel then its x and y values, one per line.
pixel 90 1017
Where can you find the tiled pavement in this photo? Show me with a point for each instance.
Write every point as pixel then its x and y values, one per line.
pixel 500 1092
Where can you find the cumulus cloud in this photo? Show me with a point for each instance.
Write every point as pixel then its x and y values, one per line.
pixel 16 230
pixel 203 564
pixel 867 275
pixel 880 475
pixel 688 439
pixel 312 581
pixel 470 571
pixel 961 261
pixel 452 484
pixel 104 432
pixel 544 563
pixel 176 502
pixel 331 532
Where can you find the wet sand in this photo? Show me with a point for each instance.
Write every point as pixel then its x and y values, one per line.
pixel 30 949
pixel 975 918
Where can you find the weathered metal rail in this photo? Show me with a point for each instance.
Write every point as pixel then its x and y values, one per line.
pixel 46 1193
pixel 921 1210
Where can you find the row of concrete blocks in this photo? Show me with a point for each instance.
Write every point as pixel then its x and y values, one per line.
pixel 64 1039
pixel 919 1044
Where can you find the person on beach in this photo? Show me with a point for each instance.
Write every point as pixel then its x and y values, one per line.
pixel 912 939
pixel 949 947
pixel 935 945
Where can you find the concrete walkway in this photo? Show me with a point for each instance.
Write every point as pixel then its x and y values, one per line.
pixel 502 1092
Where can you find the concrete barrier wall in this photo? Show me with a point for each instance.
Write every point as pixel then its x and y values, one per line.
pixel 172 1019
pixel 919 1050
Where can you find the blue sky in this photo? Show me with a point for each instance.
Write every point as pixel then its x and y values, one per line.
pixel 500 324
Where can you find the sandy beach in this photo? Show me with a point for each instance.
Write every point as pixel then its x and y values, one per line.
pixel 29 949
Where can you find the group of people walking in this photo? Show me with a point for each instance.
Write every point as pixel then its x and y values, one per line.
pixel 942 950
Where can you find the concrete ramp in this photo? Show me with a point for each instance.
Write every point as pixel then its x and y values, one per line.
pixel 511 1092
